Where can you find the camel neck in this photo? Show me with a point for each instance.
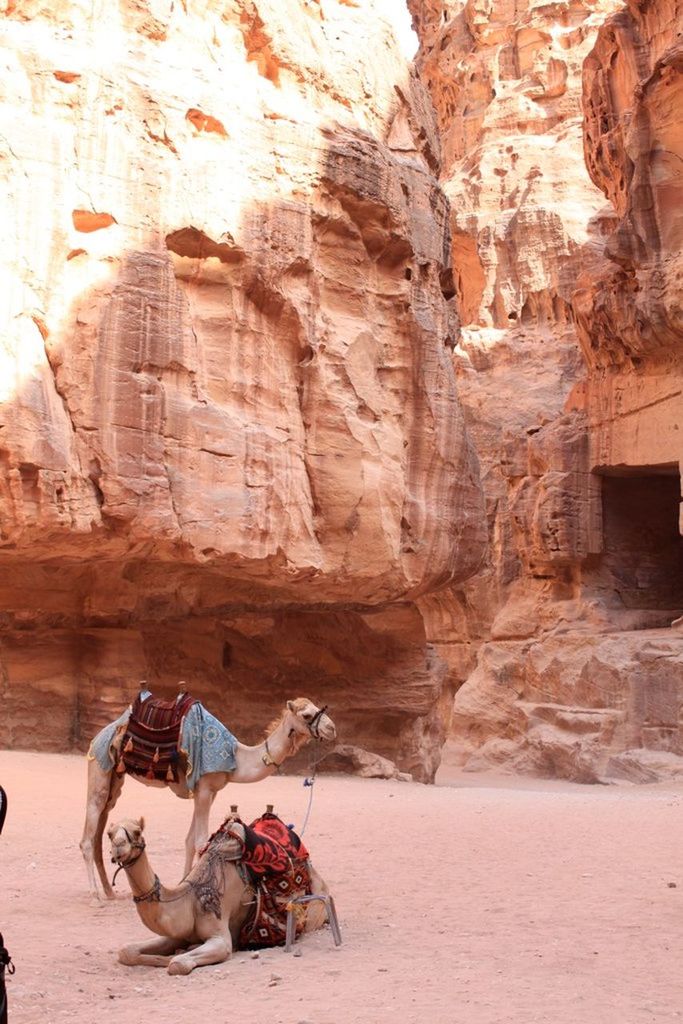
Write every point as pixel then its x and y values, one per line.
pixel 148 892
pixel 140 876
pixel 254 763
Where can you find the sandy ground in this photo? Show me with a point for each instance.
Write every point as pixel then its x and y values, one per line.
pixel 472 902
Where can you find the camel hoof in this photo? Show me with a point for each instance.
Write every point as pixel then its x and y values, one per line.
pixel 127 957
pixel 180 966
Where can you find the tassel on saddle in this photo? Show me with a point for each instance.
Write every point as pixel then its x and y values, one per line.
pixel 151 771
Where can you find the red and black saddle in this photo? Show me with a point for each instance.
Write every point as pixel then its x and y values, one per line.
pixel 274 862
pixel 277 862
pixel 151 742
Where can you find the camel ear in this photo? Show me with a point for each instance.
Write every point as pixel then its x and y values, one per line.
pixel 141 824
pixel 290 706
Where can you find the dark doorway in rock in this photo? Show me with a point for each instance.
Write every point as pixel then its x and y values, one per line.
pixel 643 546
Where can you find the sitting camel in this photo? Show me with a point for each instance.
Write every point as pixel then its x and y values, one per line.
pixel 299 722
pixel 198 921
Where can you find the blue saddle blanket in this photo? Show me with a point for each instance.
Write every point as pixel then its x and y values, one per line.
pixel 205 742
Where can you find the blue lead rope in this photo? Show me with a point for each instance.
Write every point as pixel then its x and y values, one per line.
pixel 308 782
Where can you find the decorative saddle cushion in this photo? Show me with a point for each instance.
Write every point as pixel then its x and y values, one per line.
pixel 151 742
pixel 277 862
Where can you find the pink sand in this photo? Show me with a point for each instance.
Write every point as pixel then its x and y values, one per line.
pixel 479 901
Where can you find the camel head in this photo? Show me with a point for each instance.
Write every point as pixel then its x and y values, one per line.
pixel 308 720
pixel 127 842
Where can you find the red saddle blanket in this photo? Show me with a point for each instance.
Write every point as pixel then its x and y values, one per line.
pixel 277 863
pixel 151 743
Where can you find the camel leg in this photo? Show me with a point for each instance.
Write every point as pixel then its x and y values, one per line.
pixel 99 785
pixel 154 953
pixel 189 848
pixel 215 950
pixel 204 797
pixel 114 794
pixel 316 913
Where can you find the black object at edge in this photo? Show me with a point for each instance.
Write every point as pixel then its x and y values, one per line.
pixel 5 961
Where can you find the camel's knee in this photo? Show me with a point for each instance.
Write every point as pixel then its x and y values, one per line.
pixel 179 965
pixel 222 948
pixel 213 951
pixel 130 956
pixel 87 848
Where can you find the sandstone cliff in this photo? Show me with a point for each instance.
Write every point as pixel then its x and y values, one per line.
pixel 235 397
pixel 231 449
pixel 562 146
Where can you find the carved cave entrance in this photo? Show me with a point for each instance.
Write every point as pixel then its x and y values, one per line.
pixel 642 543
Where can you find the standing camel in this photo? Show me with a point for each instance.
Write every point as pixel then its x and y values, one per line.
pixel 299 722
pixel 206 911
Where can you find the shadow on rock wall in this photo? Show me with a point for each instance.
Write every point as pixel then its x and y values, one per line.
pixel 238 460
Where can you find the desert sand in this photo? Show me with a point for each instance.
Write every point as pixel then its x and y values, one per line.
pixel 479 900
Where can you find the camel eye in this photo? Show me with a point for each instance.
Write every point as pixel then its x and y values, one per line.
pixel 307 715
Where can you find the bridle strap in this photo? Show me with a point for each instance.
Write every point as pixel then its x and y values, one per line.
pixel 138 845
pixel 315 722
pixel 268 760
pixel 153 895
pixel 313 728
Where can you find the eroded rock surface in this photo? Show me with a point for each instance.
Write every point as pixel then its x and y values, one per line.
pixel 562 148
pixel 588 707
pixel 356 761
pixel 630 317
pixel 231 448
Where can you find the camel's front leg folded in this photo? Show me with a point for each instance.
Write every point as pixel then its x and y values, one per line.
pixel 215 950
pixel 155 953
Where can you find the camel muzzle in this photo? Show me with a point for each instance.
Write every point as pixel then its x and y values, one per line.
pixel 137 847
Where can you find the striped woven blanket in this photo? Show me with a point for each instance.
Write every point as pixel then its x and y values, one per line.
pixel 206 744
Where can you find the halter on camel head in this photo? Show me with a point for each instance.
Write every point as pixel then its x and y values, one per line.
pixel 314 724
pixel 136 845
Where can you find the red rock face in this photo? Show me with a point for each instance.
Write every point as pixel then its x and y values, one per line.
pixel 236 399
pixel 569 373
pixel 629 316
pixel 231 447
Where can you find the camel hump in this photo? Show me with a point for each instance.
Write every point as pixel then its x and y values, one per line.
pixel 151 744
pixel 157 714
